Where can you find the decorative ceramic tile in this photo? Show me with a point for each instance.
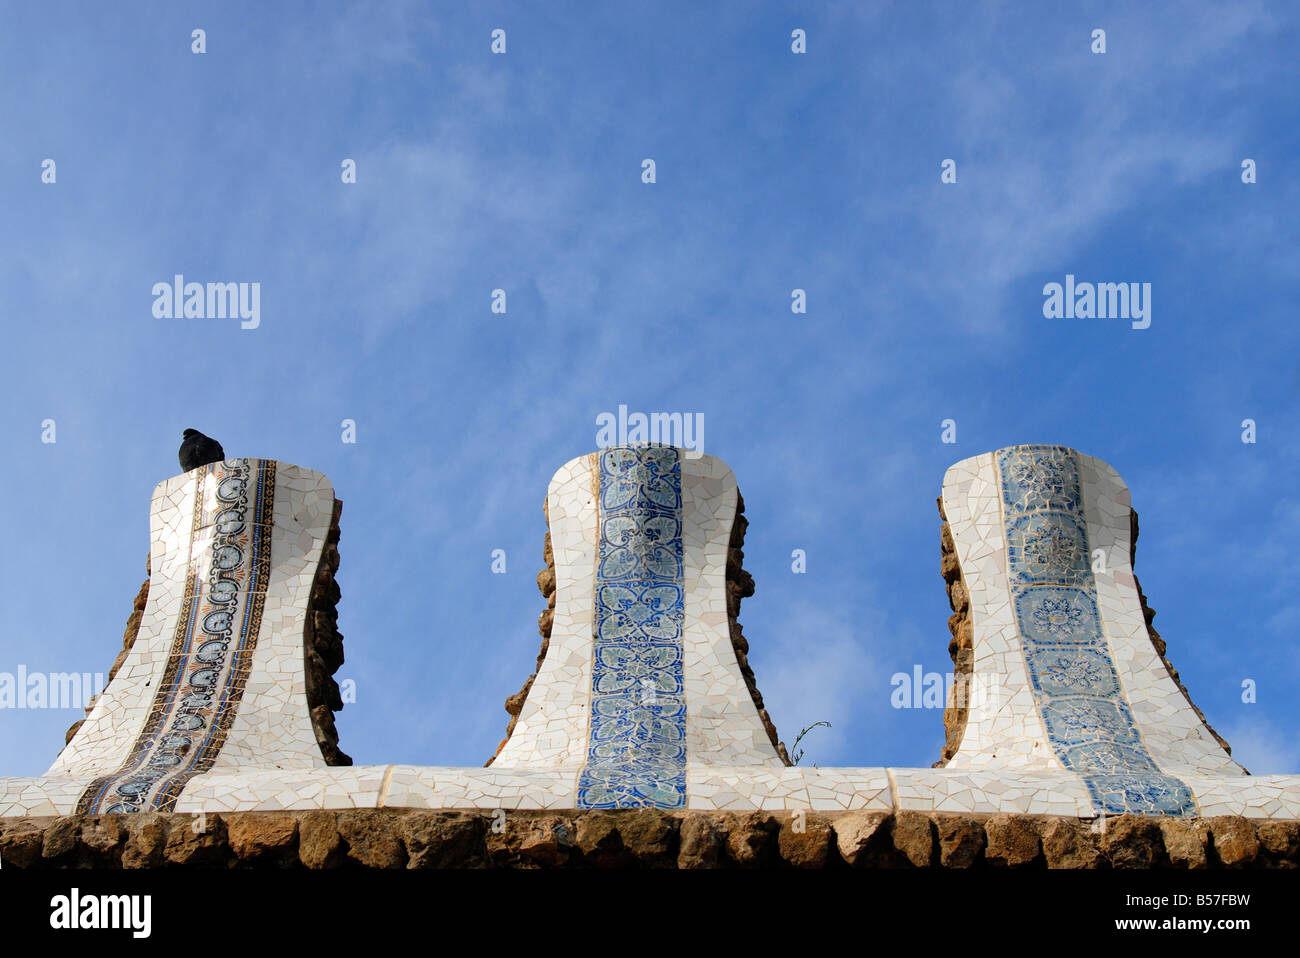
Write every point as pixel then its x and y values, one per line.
pixel 1044 547
pixel 1004 728
pixel 1051 615
pixel 636 751
pixel 1075 682
pixel 640 700
pixel 213 645
pixel 232 637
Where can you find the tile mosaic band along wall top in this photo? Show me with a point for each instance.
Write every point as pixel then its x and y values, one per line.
pixel 636 746
pixel 1075 684
pixel 212 650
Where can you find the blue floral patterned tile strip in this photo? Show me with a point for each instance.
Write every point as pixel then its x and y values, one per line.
pixel 1075 684
pixel 212 648
pixel 636 748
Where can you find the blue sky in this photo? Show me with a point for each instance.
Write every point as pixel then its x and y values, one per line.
pixel 775 171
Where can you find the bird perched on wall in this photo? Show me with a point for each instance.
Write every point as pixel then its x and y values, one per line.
pixel 198 450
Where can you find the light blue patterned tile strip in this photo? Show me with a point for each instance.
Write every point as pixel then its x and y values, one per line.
pixel 1088 719
pixel 636 747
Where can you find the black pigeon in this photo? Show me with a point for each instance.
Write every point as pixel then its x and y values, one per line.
pixel 198 450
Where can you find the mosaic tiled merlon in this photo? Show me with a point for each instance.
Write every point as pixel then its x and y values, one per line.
pixel 1075 684
pixel 636 749
pixel 1070 648
pixel 212 648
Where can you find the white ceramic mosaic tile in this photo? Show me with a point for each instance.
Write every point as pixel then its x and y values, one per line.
pixel 1176 738
pixel 1252 796
pixel 35 797
pixel 552 727
pixel 1022 791
pixel 722 723
pixel 250 555
pixel 1003 727
pixel 255 789
pixel 410 786
pixel 1006 763
pixel 1055 502
pixel 743 788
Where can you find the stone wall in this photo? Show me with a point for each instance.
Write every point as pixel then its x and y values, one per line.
pixel 960 646
pixel 740 585
pixel 645 838
pixel 322 645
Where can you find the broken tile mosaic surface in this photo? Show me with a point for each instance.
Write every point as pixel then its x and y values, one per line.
pixel 636 751
pixel 640 700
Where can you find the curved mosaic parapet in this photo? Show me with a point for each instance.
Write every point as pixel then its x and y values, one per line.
pixel 640 698
pixel 640 674
pixel 1064 675
pixel 215 680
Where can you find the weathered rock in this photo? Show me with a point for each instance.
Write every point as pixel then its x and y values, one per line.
pixel 650 836
pixel 805 841
pixel 444 839
pixel 1236 842
pixel 546 580
pixel 1012 841
pixel 948 567
pixel 958 596
pixel 372 838
pixel 101 841
pixel 60 842
pixel 861 837
pixel 1068 843
pixel 739 584
pixel 913 837
pixel 118 662
pixel 956 710
pixel 702 843
pixel 323 647
pixel 1281 843
pixel 515 703
pixel 961 840
pixel 319 843
pixel 204 848
pixel 21 843
pixel 599 841
pixel 1185 842
pixel 146 840
pixel 632 836
pixel 390 838
pixel 751 839
pixel 545 842
pixel 262 838
pixel 1132 841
